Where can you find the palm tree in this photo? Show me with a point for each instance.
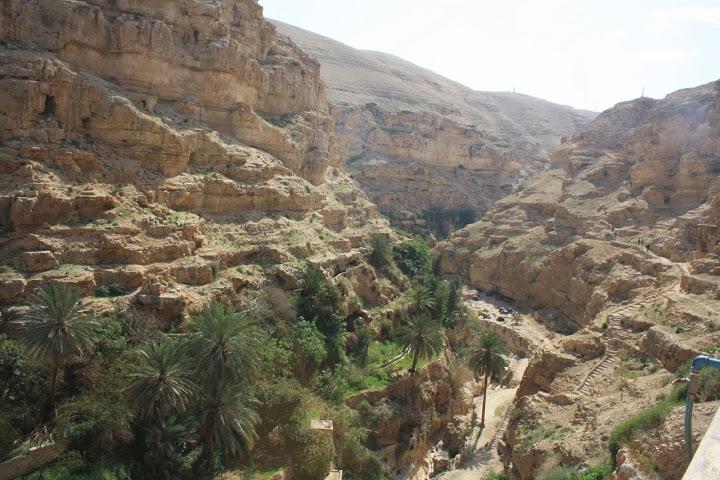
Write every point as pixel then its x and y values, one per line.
pixel 55 331
pixel 162 383
pixel 422 300
pixel 164 440
pixel 486 359
pixel 225 345
pixel 424 336
pixel 227 420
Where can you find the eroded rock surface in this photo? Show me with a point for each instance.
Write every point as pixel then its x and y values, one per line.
pixel 615 248
pixel 415 140
pixel 180 149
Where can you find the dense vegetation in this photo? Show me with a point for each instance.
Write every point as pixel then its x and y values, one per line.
pixel 234 387
pixel 437 221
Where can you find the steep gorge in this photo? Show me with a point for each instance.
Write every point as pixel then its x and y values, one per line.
pixel 183 151
pixel 416 140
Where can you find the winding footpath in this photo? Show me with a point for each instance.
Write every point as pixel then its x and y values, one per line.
pixel 480 456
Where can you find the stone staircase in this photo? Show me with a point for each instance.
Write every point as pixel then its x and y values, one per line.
pixel 598 372
pixel 500 431
pixel 615 330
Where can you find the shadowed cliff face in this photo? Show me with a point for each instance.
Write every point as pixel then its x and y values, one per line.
pixel 145 142
pixel 414 139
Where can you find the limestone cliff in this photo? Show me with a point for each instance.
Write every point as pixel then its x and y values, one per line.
pixel 181 149
pixel 414 139
pixel 624 201
pixel 616 246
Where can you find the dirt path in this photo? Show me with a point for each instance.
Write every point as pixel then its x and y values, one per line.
pixel 479 458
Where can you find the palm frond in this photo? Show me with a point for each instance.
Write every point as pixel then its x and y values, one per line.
pixel 54 330
pixel 228 419
pixel 225 344
pixel 162 383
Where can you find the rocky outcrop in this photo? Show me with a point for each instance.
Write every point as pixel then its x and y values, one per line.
pixel 616 248
pixel 162 146
pixel 414 410
pixel 592 229
pixel 415 140
pixel 662 454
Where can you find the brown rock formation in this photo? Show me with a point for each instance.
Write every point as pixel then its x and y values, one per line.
pixel 414 139
pixel 592 229
pixel 157 144
pixel 618 243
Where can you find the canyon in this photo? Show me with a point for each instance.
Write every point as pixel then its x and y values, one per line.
pixel 416 140
pixel 160 156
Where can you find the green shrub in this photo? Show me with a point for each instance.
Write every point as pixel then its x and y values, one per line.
pixel 413 257
pixel 22 389
pixel 110 337
pixel 112 290
pixel 332 384
pixel 561 473
pixel 60 471
pixel 380 252
pixel 310 452
pixel 598 472
pixel 278 400
pixel 649 418
pixel 215 267
pixel 495 476
pixel 319 301
pixel 308 347
pixel 99 419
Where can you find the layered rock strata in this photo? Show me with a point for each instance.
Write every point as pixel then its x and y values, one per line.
pixel 182 150
pixel 415 140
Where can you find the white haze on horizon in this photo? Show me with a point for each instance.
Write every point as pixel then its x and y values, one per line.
pixel 580 53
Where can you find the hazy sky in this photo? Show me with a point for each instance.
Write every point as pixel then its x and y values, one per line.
pixel 583 53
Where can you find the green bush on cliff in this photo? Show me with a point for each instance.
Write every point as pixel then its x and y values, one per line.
pixel 598 472
pixel 648 419
pixel 413 257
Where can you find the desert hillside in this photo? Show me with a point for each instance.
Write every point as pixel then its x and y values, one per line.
pixel 415 139
pixel 180 148
pixel 615 250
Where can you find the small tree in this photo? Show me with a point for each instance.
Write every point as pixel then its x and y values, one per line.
pixel 308 348
pixel 486 359
pixel 380 251
pixel 424 336
pixel 413 257
pixel 55 331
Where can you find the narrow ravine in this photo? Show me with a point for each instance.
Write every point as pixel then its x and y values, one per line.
pixel 480 456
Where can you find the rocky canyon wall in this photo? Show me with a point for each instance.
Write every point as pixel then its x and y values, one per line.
pixel 180 149
pixel 415 140
pixel 624 200
pixel 615 250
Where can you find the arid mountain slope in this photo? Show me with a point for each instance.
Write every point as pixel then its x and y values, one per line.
pixel 415 139
pixel 618 242
pixel 179 149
